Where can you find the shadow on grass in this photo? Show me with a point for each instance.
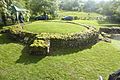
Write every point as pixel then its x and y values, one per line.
pixel 26 58
pixel 115 37
pixel 66 51
pixel 4 39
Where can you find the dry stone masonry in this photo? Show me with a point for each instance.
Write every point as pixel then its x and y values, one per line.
pixel 43 43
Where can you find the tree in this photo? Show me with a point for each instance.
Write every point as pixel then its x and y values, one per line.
pixel 4 9
pixel 110 8
pixel 90 6
pixel 43 6
pixel 72 5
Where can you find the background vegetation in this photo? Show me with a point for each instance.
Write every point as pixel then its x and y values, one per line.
pixel 109 8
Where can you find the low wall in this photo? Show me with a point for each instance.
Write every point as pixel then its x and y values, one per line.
pixel 72 40
pixel 44 42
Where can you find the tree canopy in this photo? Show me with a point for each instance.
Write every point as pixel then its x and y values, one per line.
pixel 40 6
pixel 106 7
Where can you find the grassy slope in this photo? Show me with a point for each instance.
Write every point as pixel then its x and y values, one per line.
pixel 89 22
pixel 79 14
pixel 59 27
pixel 53 27
pixel 15 64
pixel 82 14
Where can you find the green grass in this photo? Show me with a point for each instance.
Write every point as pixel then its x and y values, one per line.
pixel 69 64
pixel 54 27
pixel 82 15
pixel 79 14
pixel 89 22
pixel 110 25
pixel 57 26
pixel 15 63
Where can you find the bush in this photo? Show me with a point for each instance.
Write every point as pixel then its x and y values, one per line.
pixel 76 18
pixel 39 47
pixel 39 43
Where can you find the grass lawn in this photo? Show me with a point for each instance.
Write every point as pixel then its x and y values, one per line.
pixel 53 27
pixel 70 64
pixel 89 22
pixel 57 26
pixel 110 25
pixel 15 64
pixel 79 14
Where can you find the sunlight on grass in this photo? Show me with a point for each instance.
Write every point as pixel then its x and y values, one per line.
pixel 116 44
pixel 53 27
pixel 78 14
pixel 89 22
pixel 15 63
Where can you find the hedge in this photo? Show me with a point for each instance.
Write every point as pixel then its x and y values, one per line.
pixel 42 43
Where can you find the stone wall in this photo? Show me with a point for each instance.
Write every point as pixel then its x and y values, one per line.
pixel 48 41
pixel 111 30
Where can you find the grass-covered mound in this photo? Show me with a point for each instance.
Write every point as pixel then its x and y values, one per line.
pixel 53 27
pixel 15 64
pixel 78 14
pixel 41 43
pixel 88 22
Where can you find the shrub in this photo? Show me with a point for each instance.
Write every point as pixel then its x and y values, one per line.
pixel 76 18
pixel 39 43
pixel 39 47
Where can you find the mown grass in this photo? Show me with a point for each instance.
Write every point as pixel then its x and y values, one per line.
pixel 58 26
pixel 89 23
pixel 15 63
pixel 78 14
pixel 110 25
pixel 54 27
pixel 63 64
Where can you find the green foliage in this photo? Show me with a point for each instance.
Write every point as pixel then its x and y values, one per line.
pixel 90 6
pixel 19 3
pixel 19 34
pixel 72 5
pixel 4 6
pixel 39 43
pixel 76 18
pixel 111 9
pixel 48 6
pixel 39 47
